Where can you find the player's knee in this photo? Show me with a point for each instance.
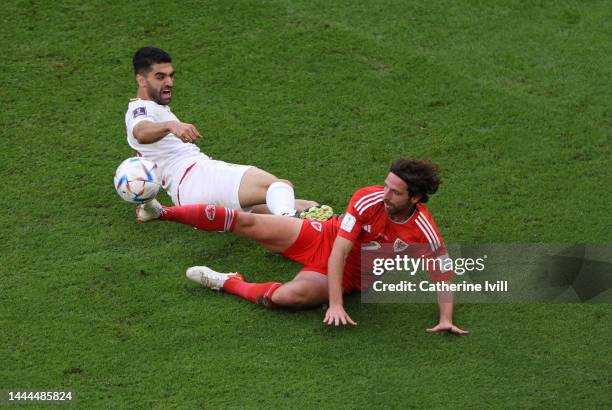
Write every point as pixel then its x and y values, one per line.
pixel 286 181
pixel 294 297
pixel 266 184
pixel 245 220
pixel 263 179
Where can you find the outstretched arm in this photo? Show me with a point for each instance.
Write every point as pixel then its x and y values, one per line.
pixel 148 132
pixel 445 303
pixel 336 314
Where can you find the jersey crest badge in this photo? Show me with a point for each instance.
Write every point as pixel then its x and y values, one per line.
pixel 399 245
pixel 317 225
pixel 210 212
pixel 139 111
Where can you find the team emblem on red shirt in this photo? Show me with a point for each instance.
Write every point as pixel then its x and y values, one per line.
pixel 210 212
pixel 317 225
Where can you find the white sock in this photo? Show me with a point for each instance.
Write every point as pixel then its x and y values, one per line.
pixel 280 199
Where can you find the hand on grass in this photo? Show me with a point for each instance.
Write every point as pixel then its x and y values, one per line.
pixel 448 327
pixel 336 315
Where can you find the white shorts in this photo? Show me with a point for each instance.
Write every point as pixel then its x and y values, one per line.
pixel 211 182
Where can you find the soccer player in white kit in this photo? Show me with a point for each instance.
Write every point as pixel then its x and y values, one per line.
pixel 188 175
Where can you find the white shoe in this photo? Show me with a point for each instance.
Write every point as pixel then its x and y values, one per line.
pixel 209 278
pixel 148 211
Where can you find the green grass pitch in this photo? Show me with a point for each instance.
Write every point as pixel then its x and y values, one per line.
pixel 512 98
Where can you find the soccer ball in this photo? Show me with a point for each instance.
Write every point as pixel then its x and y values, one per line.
pixel 136 180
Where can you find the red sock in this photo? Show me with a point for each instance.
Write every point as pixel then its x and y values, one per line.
pixel 203 217
pixel 260 293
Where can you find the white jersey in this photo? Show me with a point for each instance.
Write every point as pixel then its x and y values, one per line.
pixel 171 155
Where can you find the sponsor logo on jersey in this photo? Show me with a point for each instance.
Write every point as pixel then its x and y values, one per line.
pixel 367 228
pixel 139 111
pixel 370 246
pixel 210 212
pixel 348 222
pixel 317 225
pixel 399 245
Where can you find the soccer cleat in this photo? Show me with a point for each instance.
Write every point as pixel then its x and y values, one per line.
pixel 149 211
pixel 209 278
pixel 319 213
pixel 292 213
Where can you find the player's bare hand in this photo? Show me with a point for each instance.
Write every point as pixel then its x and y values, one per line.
pixel 336 315
pixel 185 132
pixel 447 327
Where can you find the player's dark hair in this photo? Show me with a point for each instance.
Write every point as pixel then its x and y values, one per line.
pixel 422 176
pixel 147 56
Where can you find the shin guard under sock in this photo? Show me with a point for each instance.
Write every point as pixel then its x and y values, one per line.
pixel 203 217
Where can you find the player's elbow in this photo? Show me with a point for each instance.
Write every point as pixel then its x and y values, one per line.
pixel 140 133
pixel 141 137
pixel 337 258
pixel 341 249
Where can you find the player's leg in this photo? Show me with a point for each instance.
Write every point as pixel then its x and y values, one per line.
pixel 306 242
pixel 307 289
pixel 260 187
pixel 239 187
pixel 311 210
pixel 301 205
pixel 274 232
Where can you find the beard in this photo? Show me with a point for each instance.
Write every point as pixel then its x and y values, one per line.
pixel 396 210
pixel 161 96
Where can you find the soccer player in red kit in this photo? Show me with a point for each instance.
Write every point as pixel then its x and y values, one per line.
pixel 329 251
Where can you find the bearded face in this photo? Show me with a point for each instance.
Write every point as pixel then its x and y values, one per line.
pixel 157 83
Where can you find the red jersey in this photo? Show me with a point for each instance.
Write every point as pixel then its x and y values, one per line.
pixel 367 224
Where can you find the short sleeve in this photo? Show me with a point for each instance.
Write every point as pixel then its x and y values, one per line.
pixel 434 248
pixel 357 212
pixel 137 113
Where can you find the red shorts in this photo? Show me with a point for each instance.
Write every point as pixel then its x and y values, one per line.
pixel 313 247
